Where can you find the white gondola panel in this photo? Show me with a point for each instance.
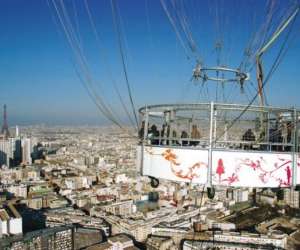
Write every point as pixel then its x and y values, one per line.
pixel 229 168
pixel 252 169
pixel 175 164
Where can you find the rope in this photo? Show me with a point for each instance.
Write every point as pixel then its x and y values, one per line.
pixel 118 31
pixel 172 21
pixel 74 44
pixel 103 55
pixel 272 70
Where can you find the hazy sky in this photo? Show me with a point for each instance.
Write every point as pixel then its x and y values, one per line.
pixel 39 83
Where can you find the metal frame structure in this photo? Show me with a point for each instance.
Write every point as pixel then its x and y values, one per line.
pixel 216 137
pixel 239 76
pixel 268 158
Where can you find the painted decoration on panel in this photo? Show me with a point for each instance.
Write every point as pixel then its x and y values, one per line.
pixel 229 168
pixel 186 165
pixel 250 169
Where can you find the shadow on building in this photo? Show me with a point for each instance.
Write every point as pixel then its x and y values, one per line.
pixel 32 219
pixel 3 158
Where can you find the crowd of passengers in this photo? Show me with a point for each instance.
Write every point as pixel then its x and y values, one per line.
pixel 280 135
pixel 163 136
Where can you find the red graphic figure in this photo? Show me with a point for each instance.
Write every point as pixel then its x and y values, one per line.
pixel 171 157
pixel 220 169
pixel 231 179
pixel 288 175
pixel 255 165
pixel 263 177
pixel 190 173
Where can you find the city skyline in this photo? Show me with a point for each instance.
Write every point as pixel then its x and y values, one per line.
pixel 149 124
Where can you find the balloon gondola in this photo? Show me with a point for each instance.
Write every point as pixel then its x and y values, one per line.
pixel 223 143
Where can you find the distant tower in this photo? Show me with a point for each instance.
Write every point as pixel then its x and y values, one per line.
pixel 17 131
pixel 5 130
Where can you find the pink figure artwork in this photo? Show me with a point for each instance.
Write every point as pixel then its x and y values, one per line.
pixel 220 169
pixel 231 179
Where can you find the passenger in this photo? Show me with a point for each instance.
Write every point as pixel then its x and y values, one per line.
pixel 142 130
pixel 262 138
pixel 195 135
pixel 184 135
pixel 154 135
pixel 289 132
pixel 249 137
pixel 287 135
pixel 165 132
pixel 276 136
pixel 284 134
pixel 174 136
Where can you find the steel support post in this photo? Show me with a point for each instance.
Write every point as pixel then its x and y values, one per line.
pixel 209 170
pixel 295 147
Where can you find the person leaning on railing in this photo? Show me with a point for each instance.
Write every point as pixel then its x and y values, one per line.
pixel 165 133
pixel 184 135
pixel 249 137
pixel 175 141
pixel 141 132
pixel 195 136
pixel 153 135
pixel 262 139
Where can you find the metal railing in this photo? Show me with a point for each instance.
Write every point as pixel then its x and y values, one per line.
pixel 209 118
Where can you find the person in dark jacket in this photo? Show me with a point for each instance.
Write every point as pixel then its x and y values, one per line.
pixel 184 135
pixel 154 135
pixel 249 137
pixel 141 131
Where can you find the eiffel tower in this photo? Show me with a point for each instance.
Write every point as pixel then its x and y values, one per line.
pixel 4 129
